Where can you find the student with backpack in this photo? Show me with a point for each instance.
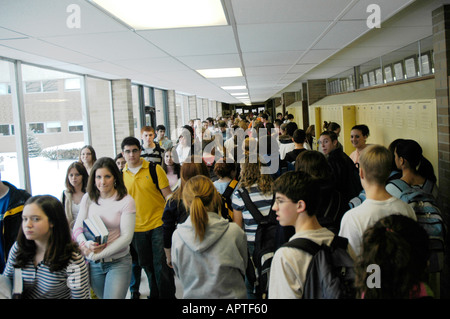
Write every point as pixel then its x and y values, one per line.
pixel 374 170
pixel 259 189
pixel 147 183
pixel 417 187
pixel 296 203
pixel 416 170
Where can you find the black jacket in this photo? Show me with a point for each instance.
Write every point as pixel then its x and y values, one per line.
pixel 12 218
pixel 346 174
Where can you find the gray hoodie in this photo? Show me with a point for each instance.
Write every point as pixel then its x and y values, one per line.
pixel 215 267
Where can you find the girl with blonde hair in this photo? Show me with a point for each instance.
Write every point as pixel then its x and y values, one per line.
pixel 209 254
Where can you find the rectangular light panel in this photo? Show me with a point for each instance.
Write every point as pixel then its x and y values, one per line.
pixel 166 14
pixel 220 73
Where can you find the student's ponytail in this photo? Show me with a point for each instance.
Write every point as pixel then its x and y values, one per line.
pixel 411 151
pixel 199 197
pixel 425 169
pixel 199 217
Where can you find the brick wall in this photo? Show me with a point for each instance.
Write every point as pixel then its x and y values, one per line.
pixel 192 107
pixel 317 89
pixel 441 47
pixel 123 112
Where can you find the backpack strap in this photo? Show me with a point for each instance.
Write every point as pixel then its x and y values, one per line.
pixel 428 186
pixel 256 214
pixel 339 242
pixel 312 248
pixel 400 184
pixel 230 188
pixel 304 244
pixel 154 175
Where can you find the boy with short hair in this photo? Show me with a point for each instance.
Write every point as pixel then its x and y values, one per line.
pixel 161 138
pixel 299 139
pixel 374 168
pixel 148 233
pixel 297 195
pixel 151 151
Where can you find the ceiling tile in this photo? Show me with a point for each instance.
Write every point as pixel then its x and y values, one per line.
pixel 197 62
pixel 154 65
pixel 252 59
pixel 109 46
pixel 266 37
pixel 281 11
pixel 342 34
pixel 193 41
pixel 49 18
pixel 48 50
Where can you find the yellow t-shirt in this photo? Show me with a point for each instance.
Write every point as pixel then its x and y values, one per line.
pixel 149 201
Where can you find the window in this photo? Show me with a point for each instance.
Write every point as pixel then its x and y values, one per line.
pixel 50 86
pixel 47 116
pixel 5 130
pixel 75 126
pixel 37 128
pixel 8 156
pixel 72 84
pixel 53 127
pixel 5 88
pixel 33 87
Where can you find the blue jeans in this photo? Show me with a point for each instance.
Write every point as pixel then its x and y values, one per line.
pixel 110 280
pixel 151 257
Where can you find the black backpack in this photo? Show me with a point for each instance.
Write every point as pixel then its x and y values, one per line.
pixel 331 273
pixel 154 175
pixel 226 199
pixel 265 243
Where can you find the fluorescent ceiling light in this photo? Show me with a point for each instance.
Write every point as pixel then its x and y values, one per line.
pixel 165 14
pixel 236 87
pixel 238 94
pixel 220 73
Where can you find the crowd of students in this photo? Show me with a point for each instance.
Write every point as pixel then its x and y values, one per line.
pixel 169 213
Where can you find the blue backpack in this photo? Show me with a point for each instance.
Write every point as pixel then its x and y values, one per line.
pixel 358 200
pixel 429 216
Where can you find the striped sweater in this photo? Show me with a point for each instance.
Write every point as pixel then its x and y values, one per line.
pixel 40 283
pixel 262 202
